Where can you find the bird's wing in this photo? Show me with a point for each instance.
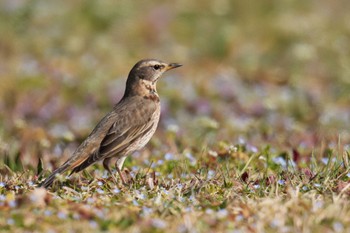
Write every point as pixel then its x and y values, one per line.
pixel 129 124
pixel 127 129
pixel 115 143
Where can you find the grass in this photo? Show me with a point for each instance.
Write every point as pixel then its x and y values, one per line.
pixel 221 190
pixel 253 134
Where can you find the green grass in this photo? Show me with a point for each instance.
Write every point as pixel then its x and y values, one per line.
pixel 254 132
pixel 221 190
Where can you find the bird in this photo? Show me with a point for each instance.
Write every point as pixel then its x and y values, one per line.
pixel 126 128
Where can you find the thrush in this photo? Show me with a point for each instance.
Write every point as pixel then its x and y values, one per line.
pixel 127 128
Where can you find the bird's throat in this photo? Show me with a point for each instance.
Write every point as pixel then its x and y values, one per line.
pixel 150 91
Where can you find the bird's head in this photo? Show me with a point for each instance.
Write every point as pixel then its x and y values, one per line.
pixel 144 75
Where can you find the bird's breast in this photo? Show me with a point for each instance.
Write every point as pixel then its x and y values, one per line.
pixel 148 129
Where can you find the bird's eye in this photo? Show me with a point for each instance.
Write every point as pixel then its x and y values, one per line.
pixel 156 67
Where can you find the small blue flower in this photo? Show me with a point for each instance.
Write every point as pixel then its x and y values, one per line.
pixel 338 227
pixel 222 213
pixel 90 200
pixel 105 175
pixel 280 161
pixel 47 212
pixel 135 203
pixel 10 221
pixel 192 159
pixel 93 224
pixel 241 140
pixel 209 211
pixel 281 182
pixel 146 211
pixel 100 191
pixel 165 192
pixel 158 223
pixel 169 156
pixel 61 215
pixel 256 186
pixel 30 183
pixel 239 218
pixel 184 175
pixel 325 160
pixel 211 174
pixel 252 148
pixel 141 196
pixel 160 162
pixel 12 203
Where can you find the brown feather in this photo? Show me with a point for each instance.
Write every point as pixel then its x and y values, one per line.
pixel 128 127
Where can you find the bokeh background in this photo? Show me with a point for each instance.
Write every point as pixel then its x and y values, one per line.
pixel 260 73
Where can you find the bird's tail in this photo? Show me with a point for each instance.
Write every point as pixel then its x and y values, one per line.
pixel 49 180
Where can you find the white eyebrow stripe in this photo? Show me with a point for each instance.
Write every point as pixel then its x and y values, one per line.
pixel 150 63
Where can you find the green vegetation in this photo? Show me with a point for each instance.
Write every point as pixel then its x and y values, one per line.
pixel 254 133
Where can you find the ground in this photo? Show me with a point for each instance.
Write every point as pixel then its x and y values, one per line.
pixel 254 132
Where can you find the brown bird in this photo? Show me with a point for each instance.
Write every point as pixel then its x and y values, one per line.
pixel 127 128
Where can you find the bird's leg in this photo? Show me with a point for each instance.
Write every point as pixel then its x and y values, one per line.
pixel 118 166
pixel 106 166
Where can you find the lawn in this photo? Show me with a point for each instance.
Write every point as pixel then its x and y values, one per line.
pixel 254 133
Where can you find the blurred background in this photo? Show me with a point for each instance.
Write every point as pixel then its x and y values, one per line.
pixel 263 73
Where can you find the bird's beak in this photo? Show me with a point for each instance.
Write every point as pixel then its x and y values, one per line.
pixel 172 66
